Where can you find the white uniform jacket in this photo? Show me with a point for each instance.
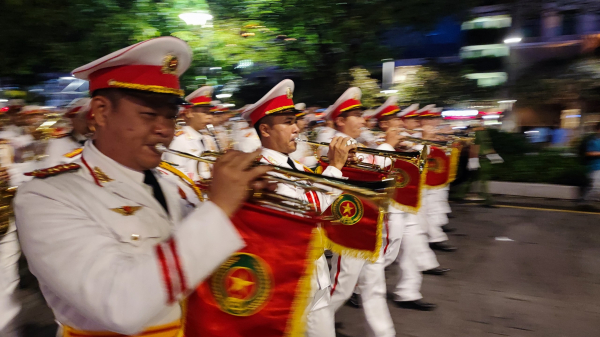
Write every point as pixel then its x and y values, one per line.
pixel 244 137
pixel 304 153
pixel 58 150
pixel 322 280
pixel 106 253
pixel 193 142
pixel 9 276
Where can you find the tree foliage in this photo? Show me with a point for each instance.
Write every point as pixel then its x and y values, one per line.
pixel 443 85
pixel 317 39
pixel 563 82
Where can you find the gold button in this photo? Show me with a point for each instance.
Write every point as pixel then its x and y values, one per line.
pixel 135 237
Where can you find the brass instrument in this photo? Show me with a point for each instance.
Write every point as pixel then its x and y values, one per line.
pixel 378 192
pixel 437 143
pixel 7 193
pixel 211 131
pixel 415 157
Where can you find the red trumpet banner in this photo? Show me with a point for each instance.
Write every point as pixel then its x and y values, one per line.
pixel 354 227
pixel 454 160
pixel 263 289
pixel 438 168
pixel 408 185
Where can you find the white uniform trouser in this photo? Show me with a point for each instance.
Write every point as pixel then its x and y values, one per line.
pixel 413 254
pixel 432 216
pixel 320 321
pixel 348 272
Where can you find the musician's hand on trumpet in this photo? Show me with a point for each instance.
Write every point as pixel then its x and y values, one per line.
pixel 393 137
pixel 340 151
pixel 233 175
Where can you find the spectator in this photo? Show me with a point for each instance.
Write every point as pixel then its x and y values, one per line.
pixel 593 155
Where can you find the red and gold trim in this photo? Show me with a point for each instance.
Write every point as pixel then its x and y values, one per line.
pixel 277 104
pixel 138 77
pixel 412 114
pixel 172 273
pixel 346 106
pixel 73 153
pixel 201 101
pixel 52 171
pixel 387 111
pixel 73 112
pixel 174 329
pixel 430 114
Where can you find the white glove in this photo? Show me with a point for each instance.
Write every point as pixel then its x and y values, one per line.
pixel 473 164
pixel 495 158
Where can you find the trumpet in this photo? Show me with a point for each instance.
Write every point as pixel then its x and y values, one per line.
pixel 378 192
pixel 437 143
pixel 415 157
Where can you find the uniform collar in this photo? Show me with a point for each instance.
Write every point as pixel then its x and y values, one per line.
pixel 191 133
pixel 275 157
pixel 341 134
pixel 119 179
pixel 107 169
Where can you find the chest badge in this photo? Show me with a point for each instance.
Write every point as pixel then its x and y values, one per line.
pixel 126 210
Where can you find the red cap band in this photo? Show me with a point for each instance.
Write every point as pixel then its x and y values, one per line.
pixel 277 104
pixel 137 77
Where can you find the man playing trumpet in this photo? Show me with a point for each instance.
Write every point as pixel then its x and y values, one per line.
pixel 193 138
pixel 274 119
pixel 114 243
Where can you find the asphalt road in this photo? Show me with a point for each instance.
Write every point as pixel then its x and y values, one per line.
pixel 518 272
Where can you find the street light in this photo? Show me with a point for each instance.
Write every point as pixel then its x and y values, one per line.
pixel 513 40
pixel 196 18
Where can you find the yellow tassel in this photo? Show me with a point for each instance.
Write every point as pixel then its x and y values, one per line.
pixel 454 158
pixel 184 178
pixel 297 323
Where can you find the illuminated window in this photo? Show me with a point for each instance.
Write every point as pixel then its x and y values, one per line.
pixel 496 21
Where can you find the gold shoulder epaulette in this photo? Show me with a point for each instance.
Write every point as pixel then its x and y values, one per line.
pixel 179 133
pixel 52 171
pixel 73 153
pixel 306 169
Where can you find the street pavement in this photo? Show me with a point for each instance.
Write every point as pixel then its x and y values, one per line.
pixel 519 271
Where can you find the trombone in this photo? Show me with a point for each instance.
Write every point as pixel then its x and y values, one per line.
pixel 378 192
pixel 417 158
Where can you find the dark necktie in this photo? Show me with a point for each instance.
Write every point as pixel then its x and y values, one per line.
pixel 150 179
pixel 81 142
pixel 292 164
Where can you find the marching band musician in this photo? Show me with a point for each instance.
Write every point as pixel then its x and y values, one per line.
pixel 67 148
pixel 437 199
pixel 193 137
pixel 273 117
pixel 405 240
pixel 243 136
pixel 348 272
pixel 437 238
pixel 220 123
pixel 304 153
pixel 114 242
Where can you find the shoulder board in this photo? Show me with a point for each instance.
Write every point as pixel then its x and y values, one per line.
pixel 179 133
pixel 52 171
pixel 73 153
pixel 306 169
